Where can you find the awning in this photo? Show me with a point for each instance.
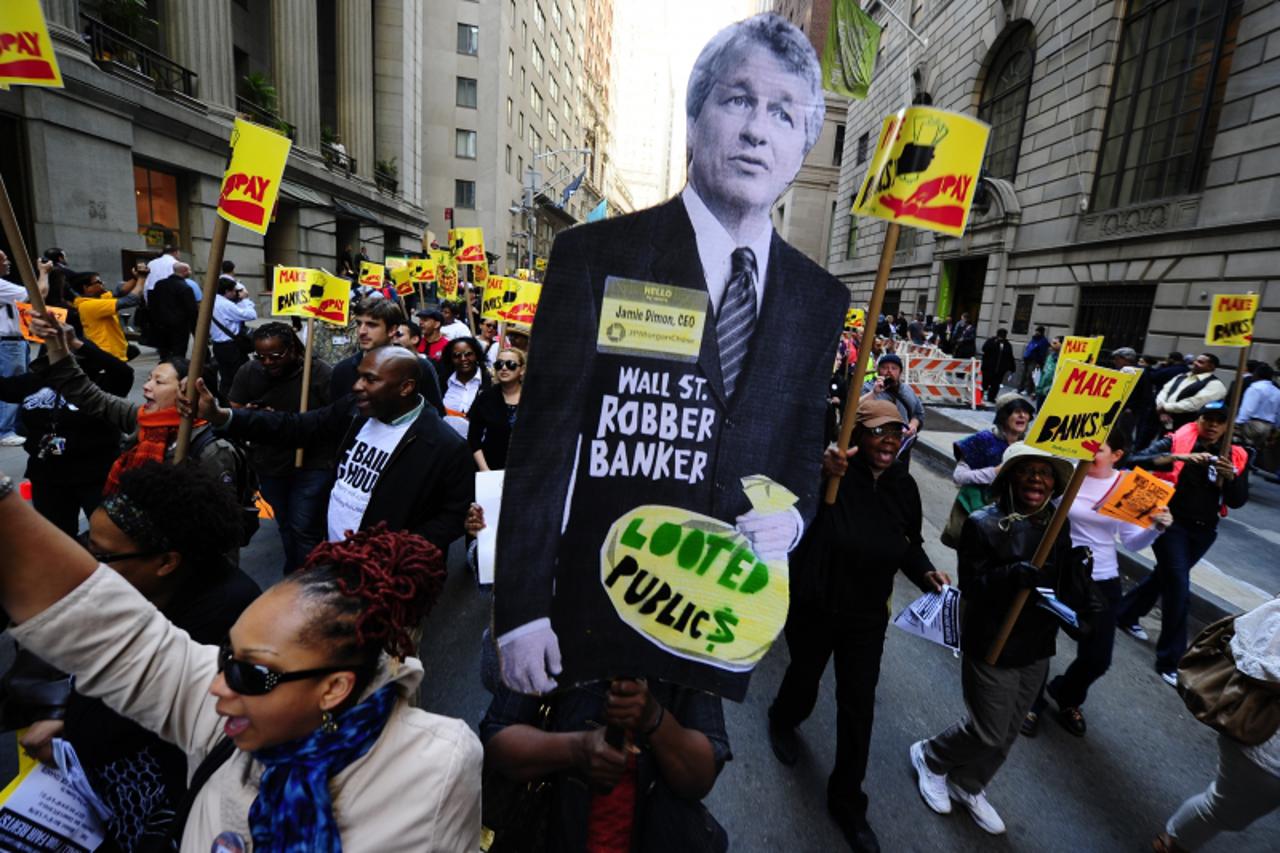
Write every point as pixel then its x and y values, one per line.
pixel 302 195
pixel 356 210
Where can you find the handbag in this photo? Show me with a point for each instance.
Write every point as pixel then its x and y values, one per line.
pixel 515 817
pixel 1217 694
pixel 243 341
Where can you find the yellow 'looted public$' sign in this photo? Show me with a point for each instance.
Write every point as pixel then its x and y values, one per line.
pixel 925 169
pixel 1081 409
pixel 26 52
pixel 1231 323
pixel 693 585
pixel 252 180
pixel 1075 348
pixel 302 292
pixel 467 245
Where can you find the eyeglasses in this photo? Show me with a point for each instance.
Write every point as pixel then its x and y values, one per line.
pixel 108 557
pixel 503 364
pixel 251 679
pixel 270 356
pixel 1034 472
pixel 885 429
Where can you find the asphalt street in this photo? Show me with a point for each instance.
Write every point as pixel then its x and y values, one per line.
pixel 1111 790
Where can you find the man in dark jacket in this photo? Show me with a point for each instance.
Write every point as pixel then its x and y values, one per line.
pixel 172 307
pixel 997 362
pixel 1033 356
pixel 398 462
pixel 842 574
pixel 996 545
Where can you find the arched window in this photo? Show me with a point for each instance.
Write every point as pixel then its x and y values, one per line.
pixel 1004 100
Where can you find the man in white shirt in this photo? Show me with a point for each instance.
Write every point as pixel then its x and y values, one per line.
pixel 1258 420
pixel 13 350
pixel 158 269
pixel 1181 399
pixel 453 327
pixel 232 308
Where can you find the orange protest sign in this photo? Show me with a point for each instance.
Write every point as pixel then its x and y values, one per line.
pixel 26 52
pixel 371 274
pixel 251 183
pixel 1134 497
pixel 467 245
pixel 24 319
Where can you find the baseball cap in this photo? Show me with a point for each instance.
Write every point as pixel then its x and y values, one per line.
pixel 1128 353
pixel 873 413
pixel 1217 410
pixel 890 358
pixel 431 314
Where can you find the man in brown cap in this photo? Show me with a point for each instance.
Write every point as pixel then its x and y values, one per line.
pixel 841 578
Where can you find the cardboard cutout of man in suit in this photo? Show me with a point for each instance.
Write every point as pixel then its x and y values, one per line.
pixel 603 430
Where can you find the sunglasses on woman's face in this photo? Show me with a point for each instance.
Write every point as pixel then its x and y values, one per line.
pixel 251 679
pixel 503 364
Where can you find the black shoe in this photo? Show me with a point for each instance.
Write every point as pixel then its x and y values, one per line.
pixel 856 830
pixel 785 743
pixel 1030 724
pixel 1072 719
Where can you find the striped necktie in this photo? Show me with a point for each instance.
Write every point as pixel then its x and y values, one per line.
pixel 737 316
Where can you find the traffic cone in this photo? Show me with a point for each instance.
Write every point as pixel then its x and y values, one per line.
pixel 977 396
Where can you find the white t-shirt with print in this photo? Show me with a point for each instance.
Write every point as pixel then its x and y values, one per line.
pixel 358 472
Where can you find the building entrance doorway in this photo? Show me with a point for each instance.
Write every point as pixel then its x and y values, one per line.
pixel 960 288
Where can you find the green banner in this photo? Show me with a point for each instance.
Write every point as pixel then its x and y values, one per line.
pixel 849 57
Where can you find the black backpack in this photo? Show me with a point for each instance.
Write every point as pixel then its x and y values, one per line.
pixel 246 481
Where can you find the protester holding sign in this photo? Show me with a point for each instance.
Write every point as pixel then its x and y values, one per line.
pixel 304 716
pixel 996 546
pixel 1098 532
pixel 1194 460
pixel 680 351
pixel 842 575
pixel 978 460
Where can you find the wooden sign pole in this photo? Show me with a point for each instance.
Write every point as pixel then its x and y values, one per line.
pixel 1041 555
pixel 216 248
pixel 18 247
pixel 306 381
pixel 864 351
pixel 1236 391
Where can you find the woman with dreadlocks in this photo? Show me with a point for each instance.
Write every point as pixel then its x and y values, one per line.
pixel 299 730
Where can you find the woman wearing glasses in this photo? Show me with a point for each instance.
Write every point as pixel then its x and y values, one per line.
pixel 163 531
pixel 464 375
pixel 494 414
pixel 313 690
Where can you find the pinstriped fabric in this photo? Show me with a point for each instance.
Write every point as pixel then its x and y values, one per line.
pixel 737 316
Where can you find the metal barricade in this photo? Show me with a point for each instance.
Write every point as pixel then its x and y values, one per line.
pixel 938 378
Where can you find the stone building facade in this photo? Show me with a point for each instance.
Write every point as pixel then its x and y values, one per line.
pixel 1133 171
pixel 130 154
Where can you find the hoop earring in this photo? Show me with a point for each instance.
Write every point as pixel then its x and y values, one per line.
pixel 328 724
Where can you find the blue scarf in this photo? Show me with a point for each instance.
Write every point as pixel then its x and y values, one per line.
pixel 293 812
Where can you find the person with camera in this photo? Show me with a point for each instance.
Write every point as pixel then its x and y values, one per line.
pixel 888 385
pixel 232 308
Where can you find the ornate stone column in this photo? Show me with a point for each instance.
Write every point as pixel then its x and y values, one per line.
pixel 355 81
pixel 63 18
pixel 198 36
pixel 296 63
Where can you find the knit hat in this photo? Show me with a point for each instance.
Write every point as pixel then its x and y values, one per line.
pixel 890 358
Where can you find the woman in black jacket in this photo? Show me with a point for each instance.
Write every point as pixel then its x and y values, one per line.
pixel 996 545
pixel 493 415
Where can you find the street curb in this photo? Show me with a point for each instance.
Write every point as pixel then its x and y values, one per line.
pixel 1204 606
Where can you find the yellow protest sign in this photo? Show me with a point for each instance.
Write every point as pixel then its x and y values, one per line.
pixel 467 245
pixel 480 275
pixel 493 302
pixel 252 180
pixel 26 51
pixel 692 583
pixel 1081 408
pixel 446 275
pixel 302 292
pixel 925 169
pixel 525 305
pixel 854 318
pixel 524 274
pixel 1075 348
pixel 1135 496
pixel 395 262
pixel 371 274
pixel 1231 322
pixel 422 270
pixel 540 264
pixel 402 277
pixel 24 319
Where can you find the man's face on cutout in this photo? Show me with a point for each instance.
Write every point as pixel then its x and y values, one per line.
pixel 748 141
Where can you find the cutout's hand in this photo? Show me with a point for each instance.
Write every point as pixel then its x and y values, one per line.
pixel 530 657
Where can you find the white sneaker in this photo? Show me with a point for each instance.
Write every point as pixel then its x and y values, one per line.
pixel 984 815
pixel 1137 632
pixel 933 787
pixel 12 440
pixel 1170 678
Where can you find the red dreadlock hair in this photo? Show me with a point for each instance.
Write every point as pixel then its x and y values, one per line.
pixel 377 586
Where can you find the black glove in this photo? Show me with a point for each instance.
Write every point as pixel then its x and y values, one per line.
pixel 1027 575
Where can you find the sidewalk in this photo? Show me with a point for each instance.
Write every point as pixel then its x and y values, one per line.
pixel 1240 571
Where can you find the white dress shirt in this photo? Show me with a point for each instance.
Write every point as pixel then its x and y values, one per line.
pixel 231 314
pixel 158 270
pixel 9 294
pixel 456 329
pixel 715 249
pixel 459 395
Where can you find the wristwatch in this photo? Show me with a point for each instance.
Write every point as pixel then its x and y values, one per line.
pixel 6 486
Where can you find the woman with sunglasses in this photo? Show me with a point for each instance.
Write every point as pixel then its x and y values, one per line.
pixel 494 414
pixel 313 690
pixel 466 375
pixel 163 531
pixel 489 343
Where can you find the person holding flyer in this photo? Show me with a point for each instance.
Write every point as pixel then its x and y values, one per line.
pixel 842 575
pixel 1098 532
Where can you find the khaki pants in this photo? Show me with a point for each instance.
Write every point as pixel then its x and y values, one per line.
pixel 1241 793
pixel 1266 439
pixel 997 699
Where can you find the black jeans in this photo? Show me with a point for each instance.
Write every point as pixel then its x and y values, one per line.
pixel 1093 654
pixel 857 641
pixel 229 358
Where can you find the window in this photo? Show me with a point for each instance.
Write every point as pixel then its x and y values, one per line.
pixel 539 64
pixel 535 140
pixel 507 160
pixel 837 156
pixel 524 34
pixel 511 8
pixel 522 79
pixel 555 14
pixel 568 40
pixel 892 302
pixel 464 194
pixel 1119 312
pixel 535 99
pixel 1165 100
pixel 1004 100
pixel 520 126
pixel 555 52
pixel 568 109
pixel 1022 313
pixel 511 62
pixel 564 137
pixel 851 241
pixel 539 19
pixel 156 196
pixel 467 92
pixel 509 111
pixel 520 166
pixel 573 15
pixel 464 144
pixel 555 89
pixel 553 126
pixel 468 39
pixel 863 142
